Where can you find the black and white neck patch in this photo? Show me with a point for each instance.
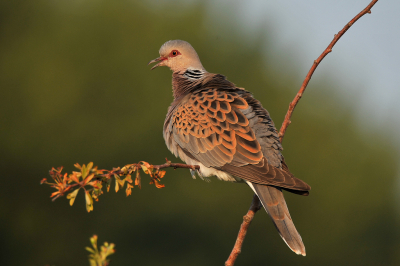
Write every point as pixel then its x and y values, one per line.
pixel 193 73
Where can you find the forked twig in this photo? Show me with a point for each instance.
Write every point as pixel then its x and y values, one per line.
pixel 256 202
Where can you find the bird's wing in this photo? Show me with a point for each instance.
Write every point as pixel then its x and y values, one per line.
pixel 228 129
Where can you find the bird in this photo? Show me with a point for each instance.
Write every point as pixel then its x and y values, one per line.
pixel 224 130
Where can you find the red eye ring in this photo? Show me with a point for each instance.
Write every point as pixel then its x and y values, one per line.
pixel 174 53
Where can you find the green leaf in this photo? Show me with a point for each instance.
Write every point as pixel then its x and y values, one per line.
pixel 93 240
pixel 84 171
pixel 90 250
pixel 92 262
pixel 72 196
pixel 89 166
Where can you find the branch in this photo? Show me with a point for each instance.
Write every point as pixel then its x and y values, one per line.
pixel 255 205
pixel 328 49
pixel 177 165
pixel 92 180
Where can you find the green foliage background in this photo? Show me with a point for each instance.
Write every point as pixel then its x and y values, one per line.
pixel 75 88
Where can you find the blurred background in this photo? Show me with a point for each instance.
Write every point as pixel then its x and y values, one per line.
pixel 75 87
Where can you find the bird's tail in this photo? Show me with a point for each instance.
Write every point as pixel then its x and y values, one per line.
pixel 274 203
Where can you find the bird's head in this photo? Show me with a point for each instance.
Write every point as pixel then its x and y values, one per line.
pixel 178 56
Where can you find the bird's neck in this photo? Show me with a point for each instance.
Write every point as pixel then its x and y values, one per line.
pixel 187 81
pixel 190 81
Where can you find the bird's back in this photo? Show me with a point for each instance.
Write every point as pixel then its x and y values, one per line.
pixel 224 127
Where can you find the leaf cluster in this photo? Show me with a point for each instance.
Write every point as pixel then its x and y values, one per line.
pixel 93 180
pixel 99 258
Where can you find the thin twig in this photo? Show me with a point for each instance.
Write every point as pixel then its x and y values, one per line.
pixel 255 206
pixel 177 165
pixel 328 49
pixel 250 214
pixel 168 164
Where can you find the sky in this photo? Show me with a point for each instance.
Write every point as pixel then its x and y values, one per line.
pixel 365 61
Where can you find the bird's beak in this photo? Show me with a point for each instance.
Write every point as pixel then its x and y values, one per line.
pixel 159 59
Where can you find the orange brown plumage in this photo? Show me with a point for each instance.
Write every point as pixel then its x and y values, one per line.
pixel 226 131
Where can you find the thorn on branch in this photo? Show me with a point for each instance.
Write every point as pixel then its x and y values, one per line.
pixel 369 12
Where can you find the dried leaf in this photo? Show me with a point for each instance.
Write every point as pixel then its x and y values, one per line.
pixel 72 196
pixel 128 189
pixel 161 174
pixel 116 186
pixel 144 168
pixel 146 164
pixel 108 184
pixel 138 181
pixel 89 201
pixel 87 180
pixel 124 169
pixel 121 182
pixel 54 193
pixel 158 185
pixel 116 182
pixel 74 177
pixel 147 168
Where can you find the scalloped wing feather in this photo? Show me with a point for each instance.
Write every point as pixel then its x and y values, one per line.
pixel 227 129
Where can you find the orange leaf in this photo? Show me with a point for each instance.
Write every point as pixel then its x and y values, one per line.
pixel 138 179
pixel 129 189
pixel 74 177
pixel 161 174
pixel 158 185
pixel 146 164
pixel 87 180
pixel 54 193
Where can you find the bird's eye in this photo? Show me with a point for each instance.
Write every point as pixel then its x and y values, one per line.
pixel 174 53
